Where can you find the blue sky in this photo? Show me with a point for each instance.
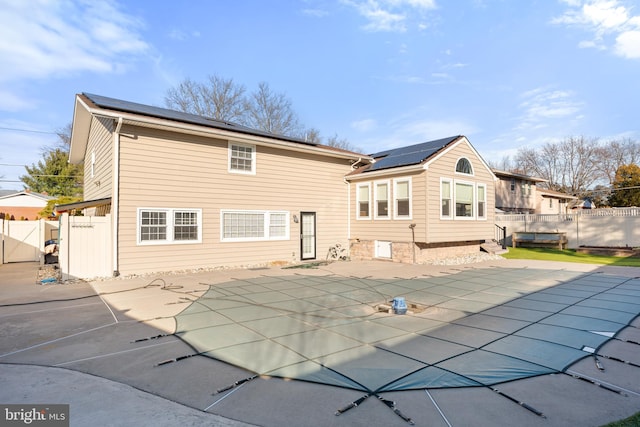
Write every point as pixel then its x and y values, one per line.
pixel 380 73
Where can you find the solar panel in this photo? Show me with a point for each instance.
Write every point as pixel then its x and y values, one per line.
pixel 411 155
pixel 165 113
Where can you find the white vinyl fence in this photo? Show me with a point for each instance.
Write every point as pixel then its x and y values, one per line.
pixel 23 241
pixel 619 227
pixel 85 246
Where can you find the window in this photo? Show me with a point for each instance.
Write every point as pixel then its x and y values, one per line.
pixel 382 200
pixel 364 207
pixel 482 201
pixel 551 203
pixel 464 166
pixel 445 199
pixel 513 185
pixel 464 200
pixel 164 226
pixel 242 158
pixel 254 225
pixel 402 198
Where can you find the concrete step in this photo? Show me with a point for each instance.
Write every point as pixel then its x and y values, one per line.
pixel 493 248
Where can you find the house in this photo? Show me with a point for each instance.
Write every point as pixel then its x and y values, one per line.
pixel 185 192
pixel 422 202
pixel 516 192
pixel 23 205
pixel 552 202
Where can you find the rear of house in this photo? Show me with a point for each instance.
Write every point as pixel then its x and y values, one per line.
pixel 422 202
pixel 185 192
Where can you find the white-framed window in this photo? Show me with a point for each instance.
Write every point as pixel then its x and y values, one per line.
pixel 402 198
pixel 550 202
pixel 381 201
pixel 363 201
pixel 242 158
pixel 158 226
pixel 446 195
pixel 513 185
pixel 246 226
pixel 463 193
pixel 463 166
pixel 481 197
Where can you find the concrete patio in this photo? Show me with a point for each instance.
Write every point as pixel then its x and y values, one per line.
pixel 100 347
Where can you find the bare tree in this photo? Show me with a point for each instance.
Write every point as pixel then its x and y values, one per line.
pixel 616 153
pixel 220 99
pixel 272 112
pixel 571 165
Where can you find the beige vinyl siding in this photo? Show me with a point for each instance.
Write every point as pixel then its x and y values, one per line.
pixel 101 145
pixel 169 170
pixel 391 229
pixel 453 230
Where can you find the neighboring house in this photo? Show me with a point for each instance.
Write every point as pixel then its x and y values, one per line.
pixel 582 204
pixel 422 202
pixel 186 192
pixel 23 205
pixel 552 202
pixel 516 192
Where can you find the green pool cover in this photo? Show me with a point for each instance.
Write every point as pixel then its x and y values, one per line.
pixel 479 327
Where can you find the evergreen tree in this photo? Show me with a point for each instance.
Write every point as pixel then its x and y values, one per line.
pixel 54 175
pixel 626 186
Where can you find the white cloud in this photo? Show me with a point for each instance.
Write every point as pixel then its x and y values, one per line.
pixel 364 125
pixel 390 15
pixel 41 39
pixel 12 102
pixel 609 21
pixel 543 105
pixel 628 44
pixel 316 13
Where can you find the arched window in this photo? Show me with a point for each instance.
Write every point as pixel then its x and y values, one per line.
pixel 464 166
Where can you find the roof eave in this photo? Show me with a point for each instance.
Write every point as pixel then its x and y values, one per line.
pixel 235 135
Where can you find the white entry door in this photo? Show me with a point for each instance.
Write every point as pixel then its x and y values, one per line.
pixel 308 235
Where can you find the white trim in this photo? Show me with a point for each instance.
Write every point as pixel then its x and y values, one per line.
pixel 455 170
pixel 460 140
pixel 170 226
pixel 451 201
pixel 266 217
pixel 375 199
pixel 478 217
pixel 358 186
pixel 395 198
pixel 252 147
pixel 473 201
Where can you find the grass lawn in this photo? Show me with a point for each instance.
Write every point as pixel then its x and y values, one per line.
pixel 570 255
pixel 632 421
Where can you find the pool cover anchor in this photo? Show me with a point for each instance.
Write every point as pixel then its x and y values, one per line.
pixel 596 383
pixel 519 402
pixel 389 403
pixel 234 385
pixel 155 337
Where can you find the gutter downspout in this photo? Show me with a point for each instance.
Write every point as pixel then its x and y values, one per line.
pixel 116 195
